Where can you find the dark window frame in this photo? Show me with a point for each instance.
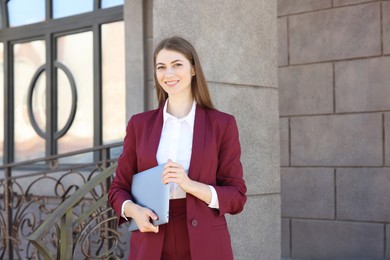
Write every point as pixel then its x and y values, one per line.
pixel 48 31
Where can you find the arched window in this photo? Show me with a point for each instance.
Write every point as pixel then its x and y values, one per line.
pixel 62 77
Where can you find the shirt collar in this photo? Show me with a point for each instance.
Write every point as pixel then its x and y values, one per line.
pixel 189 118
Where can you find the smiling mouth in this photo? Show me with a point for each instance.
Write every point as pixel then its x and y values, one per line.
pixel 171 83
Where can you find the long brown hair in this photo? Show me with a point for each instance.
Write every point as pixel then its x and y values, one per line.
pixel 199 87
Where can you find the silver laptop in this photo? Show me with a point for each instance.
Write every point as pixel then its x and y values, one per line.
pixel 148 191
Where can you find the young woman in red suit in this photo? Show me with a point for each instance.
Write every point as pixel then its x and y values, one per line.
pixel 200 147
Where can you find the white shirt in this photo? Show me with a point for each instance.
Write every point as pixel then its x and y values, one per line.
pixel 176 144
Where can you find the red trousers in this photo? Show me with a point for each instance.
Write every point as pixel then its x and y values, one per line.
pixel 176 242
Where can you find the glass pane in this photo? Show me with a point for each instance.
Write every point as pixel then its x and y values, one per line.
pixel 1 103
pixel 75 52
pixel 21 12
pixel 114 89
pixel 62 8
pixel 28 57
pixel 110 3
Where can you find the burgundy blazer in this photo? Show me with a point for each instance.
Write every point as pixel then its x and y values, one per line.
pixel 215 161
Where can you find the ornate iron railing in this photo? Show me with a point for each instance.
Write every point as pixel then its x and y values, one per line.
pixel 51 209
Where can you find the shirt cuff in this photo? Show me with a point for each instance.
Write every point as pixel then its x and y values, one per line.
pixel 123 209
pixel 214 198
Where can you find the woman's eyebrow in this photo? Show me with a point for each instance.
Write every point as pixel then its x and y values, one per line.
pixel 176 61
pixel 161 63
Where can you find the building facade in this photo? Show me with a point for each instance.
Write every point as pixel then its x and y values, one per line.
pixel 316 102
pixel 74 73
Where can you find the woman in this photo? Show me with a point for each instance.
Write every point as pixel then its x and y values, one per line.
pixel 201 149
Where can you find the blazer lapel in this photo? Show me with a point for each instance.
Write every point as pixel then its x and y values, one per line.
pixel 155 135
pixel 198 143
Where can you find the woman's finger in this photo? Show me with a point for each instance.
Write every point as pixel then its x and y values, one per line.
pixel 149 227
pixel 151 214
pixel 142 219
pixel 171 164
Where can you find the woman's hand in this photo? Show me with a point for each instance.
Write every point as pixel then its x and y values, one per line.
pixel 141 216
pixel 174 172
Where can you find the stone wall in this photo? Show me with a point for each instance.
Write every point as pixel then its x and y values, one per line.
pixel 334 81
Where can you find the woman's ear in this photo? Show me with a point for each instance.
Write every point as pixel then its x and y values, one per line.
pixel 192 72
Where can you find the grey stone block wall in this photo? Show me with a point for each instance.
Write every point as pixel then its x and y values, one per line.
pixel 226 41
pixel 299 6
pixel 134 52
pixel 386 26
pixel 254 235
pixel 286 223
pixel 334 102
pixel 150 93
pixel 388 240
pixel 350 2
pixel 335 34
pixel 308 193
pixel 284 141
pixel 311 88
pixel 337 140
pixel 363 85
pixel 282 42
pixel 387 139
pixel 362 194
pixel 336 239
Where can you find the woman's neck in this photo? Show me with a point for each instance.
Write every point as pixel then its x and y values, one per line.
pixel 179 107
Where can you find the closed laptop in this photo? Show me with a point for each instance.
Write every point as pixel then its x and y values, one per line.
pixel 148 191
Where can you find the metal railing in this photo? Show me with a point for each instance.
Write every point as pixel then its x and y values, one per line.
pixel 52 209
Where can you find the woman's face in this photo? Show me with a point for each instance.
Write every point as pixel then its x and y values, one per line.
pixel 174 72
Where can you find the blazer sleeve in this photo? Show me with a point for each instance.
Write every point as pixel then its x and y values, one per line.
pixel 127 165
pixel 230 186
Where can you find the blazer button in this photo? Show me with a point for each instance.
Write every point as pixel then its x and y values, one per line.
pixel 194 222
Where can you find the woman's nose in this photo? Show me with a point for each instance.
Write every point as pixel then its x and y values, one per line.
pixel 169 71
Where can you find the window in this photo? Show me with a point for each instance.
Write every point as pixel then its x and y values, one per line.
pixel 27 58
pixel 64 77
pixel 113 76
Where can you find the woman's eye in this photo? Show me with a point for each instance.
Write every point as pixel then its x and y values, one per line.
pixel 178 65
pixel 160 68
